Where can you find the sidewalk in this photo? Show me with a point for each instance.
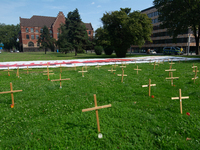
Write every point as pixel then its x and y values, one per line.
pixel 89 62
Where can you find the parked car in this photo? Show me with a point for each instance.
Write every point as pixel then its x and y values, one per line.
pixel 172 51
pixel 152 52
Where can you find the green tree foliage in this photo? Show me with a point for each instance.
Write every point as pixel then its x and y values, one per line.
pixel 98 50
pixel 179 15
pixel 73 34
pixel 46 40
pixel 9 35
pixel 124 28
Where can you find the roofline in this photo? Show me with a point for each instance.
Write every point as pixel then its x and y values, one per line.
pixel 148 8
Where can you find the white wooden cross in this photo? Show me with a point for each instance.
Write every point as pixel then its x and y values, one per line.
pixel 60 80
pixel 172 78
pixel 180 98
pixel 138 69
pixel 122 75
pixel 8 71
pixel 195 76
pixel 112 70
pixel 27 69
pixel 97 66
pixel 149 85
pixel 11 91
pixel 96 109
pixel 82 72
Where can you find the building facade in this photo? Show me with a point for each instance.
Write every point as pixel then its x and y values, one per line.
pixel 160 38
pixel 30 30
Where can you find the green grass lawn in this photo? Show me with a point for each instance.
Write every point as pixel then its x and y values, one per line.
pixel 47 117
pixel 31 56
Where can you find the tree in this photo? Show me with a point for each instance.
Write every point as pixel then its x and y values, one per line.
pixel 179 15
pixel 46 40
pixel 73 33
pixel 9 35
pixel 125 28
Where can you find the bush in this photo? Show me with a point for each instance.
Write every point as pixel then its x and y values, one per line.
pixel 109 50
pixel 98 50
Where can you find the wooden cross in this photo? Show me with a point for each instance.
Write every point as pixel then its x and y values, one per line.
pixel 149 85
pixel 171 63
pixel 138 69
pixel 96 109
pixel 48 68
pixel 85 67
pixel 195 76
pixel 149 61
pixel 170 70
pixel 172 78
pixel 60 80
pixel 115 65
pixel 122 75
pixel 27 69
pixel 97 66
pixel 11 91
pixel 112 70
pixel 75 67
pixel 17 72
pixel 8 71
pixel 60 68
pixel 180 98
pixel 123 66
pixel 48 72
pixel 154 64
pixel 194 68
pixel 82 72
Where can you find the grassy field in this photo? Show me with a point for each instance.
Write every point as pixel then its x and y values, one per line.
pixel 47 117
pixel 31 56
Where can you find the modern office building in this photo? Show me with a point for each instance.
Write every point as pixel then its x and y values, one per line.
pixel 160 38
pixel 30 30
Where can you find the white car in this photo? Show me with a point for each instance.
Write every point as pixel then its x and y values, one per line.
pixel 152 52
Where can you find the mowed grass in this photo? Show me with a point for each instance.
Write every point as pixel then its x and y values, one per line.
pixel 33 56
pixel 47 117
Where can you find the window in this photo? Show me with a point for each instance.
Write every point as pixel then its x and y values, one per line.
pixel 38 44
pixel 37 36
pixel 58 35
pixel 32 36
pixel 50 31
pixel 89 32
pixel 32 30
pixel 27 30
pixel 30 44
pixel 27 36
pixel 36 31
pixel 41 30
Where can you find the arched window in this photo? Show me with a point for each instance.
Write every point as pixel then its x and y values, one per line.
pixel 30 44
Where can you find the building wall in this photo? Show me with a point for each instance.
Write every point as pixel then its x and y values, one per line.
pixel 59 20
pixel 160 38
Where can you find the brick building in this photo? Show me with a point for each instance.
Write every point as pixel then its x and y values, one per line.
pixel 30 30
pixel 160 38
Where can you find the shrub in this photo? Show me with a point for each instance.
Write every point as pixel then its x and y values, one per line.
pixel 98 50
pixel 109 50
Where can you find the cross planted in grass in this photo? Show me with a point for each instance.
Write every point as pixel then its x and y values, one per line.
pixel 11 91
pixel 149 85
pixel 96 109
pixel 60 80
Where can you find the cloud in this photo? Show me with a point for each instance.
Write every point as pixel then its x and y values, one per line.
pixel 99 6
pixel 92 3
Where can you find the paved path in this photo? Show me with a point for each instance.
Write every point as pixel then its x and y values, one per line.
pixel 89 62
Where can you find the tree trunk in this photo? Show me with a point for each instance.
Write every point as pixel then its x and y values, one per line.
pixel 75 52
pixel 45 50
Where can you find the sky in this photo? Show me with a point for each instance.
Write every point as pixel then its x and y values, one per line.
pixel 91 11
